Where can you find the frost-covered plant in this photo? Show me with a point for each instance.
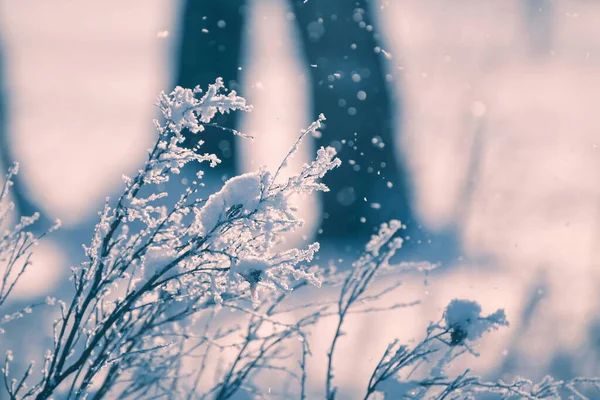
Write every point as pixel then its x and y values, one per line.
pixel 151 266
pixel 16 243
pixel 145 318
pixel 420 372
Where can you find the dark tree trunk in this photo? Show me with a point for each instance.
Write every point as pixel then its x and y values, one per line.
pixel 348 85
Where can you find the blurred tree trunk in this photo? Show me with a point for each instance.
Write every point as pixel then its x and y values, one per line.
pixel 348 84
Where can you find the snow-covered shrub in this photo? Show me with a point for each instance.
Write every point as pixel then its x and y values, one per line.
pixel 463 319
pixel 145 316
pixel 16 243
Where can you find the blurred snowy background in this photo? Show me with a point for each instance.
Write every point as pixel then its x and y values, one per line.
pixel 499 129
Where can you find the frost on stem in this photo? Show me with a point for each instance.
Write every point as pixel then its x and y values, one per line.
pixel 240 195
pixel 16 244
pixel 183 109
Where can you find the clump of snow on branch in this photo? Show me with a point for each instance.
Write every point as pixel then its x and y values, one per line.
pixel 240 195
pixel 465 321
pixel 16 244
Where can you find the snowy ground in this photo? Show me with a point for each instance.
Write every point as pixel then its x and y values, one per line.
pixel 502 144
